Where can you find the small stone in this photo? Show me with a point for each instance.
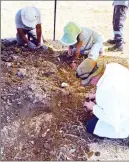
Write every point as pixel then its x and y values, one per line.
pixel 64 85
pixel 2 46
pixel 19 103
pixel 36 151
pixel 44 96
pixel 9 64
pixel 11 52
pixel 97 153
pixel 21 73
pixel 47 146
pixel 23 122
pixel 72 151
pixel 32 87
pixel 4 53
pixel 17 50
pixel 45 47
pixel 90 154
pixel 15 57
pixel 32 135
pixel 19 88
pixel 58 58
pixel 32 142
pixel 18 63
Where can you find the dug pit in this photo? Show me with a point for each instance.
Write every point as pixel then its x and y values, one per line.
pixel 40 119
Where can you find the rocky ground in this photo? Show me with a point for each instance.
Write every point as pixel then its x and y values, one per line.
pixel 40 120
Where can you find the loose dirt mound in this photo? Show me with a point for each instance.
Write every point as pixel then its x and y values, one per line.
pixel 40 120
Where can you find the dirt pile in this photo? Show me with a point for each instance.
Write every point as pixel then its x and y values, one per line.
pixel 40 120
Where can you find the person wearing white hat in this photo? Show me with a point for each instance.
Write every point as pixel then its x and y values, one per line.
pixel 110 103
pixel 82 40
pixel 28 22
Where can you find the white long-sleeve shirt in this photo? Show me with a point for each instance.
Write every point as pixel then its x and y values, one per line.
pixel 112 98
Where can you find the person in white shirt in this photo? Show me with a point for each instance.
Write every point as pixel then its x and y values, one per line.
pixel 81 40
pixel 110 103
pixel 28 22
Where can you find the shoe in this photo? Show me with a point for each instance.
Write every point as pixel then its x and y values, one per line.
pixel 111 41
pixel 116 48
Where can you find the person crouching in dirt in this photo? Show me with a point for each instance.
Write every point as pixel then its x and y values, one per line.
pixel 82 41
pixel 110 103
pixel 28 22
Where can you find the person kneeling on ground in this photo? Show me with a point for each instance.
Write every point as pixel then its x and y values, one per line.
pixel 110 103
pixel 82 40
pixel 28 22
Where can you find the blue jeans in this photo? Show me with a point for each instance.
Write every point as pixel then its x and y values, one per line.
pixel 91 124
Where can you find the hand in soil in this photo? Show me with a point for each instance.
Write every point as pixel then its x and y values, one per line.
pixel 74 66
pixel 92 97
pixel 70 53
pixel 88 106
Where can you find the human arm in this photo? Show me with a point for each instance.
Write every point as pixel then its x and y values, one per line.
pixel 79 45
pixel 75 61
pixel 39 29
pixel 39 33
pixel 96 45
pixel 88 106
pixel 22 35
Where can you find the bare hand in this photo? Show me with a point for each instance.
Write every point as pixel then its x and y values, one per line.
pixel 31 45
pixel 70 51
pixel 89 106
pixel 92 97
pixel 74 66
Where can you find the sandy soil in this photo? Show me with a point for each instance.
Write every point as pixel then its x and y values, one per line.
pixel 40 120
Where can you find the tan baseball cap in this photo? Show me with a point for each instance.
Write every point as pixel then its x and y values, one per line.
pixel 88 69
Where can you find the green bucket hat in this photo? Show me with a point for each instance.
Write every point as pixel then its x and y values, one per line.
pixel 71 31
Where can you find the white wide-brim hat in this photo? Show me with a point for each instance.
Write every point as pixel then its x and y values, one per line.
pixel 29 16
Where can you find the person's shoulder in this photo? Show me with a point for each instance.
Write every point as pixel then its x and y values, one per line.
pixel 18 20
pixel 18 13
pixel 85 30
pixel 116 69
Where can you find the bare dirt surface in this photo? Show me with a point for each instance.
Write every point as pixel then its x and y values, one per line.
pixel 42 121
pixel 39 119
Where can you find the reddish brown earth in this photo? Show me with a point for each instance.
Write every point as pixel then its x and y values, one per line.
pixel 40 120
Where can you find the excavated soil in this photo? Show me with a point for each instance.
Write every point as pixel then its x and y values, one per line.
pixel 39 119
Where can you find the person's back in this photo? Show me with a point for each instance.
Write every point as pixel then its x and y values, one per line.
pixel 112 96
pixel 89 37
pixel 110 102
